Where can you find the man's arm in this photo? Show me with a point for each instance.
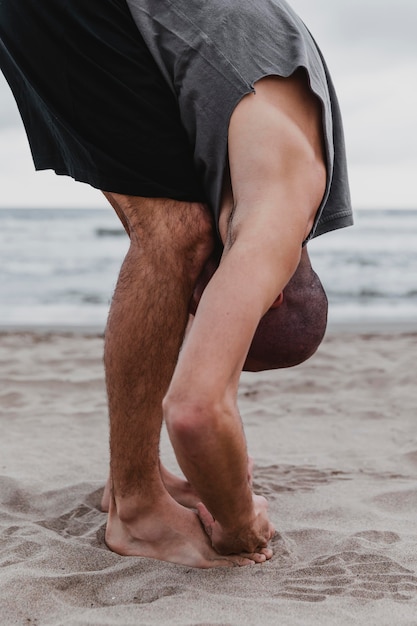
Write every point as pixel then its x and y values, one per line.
pixel 277 179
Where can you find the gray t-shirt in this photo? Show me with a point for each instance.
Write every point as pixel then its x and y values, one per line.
pixel 211 53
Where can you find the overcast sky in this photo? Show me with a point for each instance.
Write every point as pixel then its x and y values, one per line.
pixel 371 49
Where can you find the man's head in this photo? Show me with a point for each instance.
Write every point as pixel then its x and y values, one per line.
pixel 292 329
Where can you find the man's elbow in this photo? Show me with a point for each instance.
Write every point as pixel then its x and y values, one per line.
pixel 192 421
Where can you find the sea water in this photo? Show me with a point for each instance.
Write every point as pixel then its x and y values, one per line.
pixel 58 267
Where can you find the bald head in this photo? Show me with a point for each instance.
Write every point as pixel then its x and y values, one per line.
pixel 291 332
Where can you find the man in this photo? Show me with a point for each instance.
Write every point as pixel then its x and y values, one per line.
pixel 169 113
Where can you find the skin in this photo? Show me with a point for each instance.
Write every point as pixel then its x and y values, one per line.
pixel 270 201
pixel 294 325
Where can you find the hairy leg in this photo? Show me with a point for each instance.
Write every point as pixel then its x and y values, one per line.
pixel 276 188
pixel 177 487
pixel 169 244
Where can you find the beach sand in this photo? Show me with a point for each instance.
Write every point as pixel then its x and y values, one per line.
pixel 335 449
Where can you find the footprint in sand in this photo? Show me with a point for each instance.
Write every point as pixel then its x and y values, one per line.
pixel 274 479
pixel 379 537
pixel 349 573
pixel 79 522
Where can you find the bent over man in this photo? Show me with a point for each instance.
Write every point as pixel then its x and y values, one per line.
pixel 208 126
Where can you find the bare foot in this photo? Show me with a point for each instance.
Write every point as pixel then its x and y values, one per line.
pixel 251 536
pixel 170 532
pixel 179 489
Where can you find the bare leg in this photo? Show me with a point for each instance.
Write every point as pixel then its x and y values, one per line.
pixel 169 244
pixel 178 488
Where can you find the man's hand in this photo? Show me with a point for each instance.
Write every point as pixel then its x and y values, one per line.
pixel 249 538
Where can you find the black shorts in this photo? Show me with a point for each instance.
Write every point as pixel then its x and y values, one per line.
pixel 94 104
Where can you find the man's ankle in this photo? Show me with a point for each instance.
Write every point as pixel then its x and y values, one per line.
pixel 129 508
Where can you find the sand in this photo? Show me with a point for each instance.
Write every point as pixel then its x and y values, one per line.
pixel 335 449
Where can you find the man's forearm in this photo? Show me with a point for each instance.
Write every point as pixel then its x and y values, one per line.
pixel 211 450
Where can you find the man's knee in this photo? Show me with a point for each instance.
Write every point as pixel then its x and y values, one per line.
pixel 169 231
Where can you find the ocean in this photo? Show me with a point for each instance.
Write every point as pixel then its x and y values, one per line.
pixel 58 267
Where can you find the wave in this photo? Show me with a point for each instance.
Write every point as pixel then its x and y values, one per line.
pixel 59 264
pixel 110 232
